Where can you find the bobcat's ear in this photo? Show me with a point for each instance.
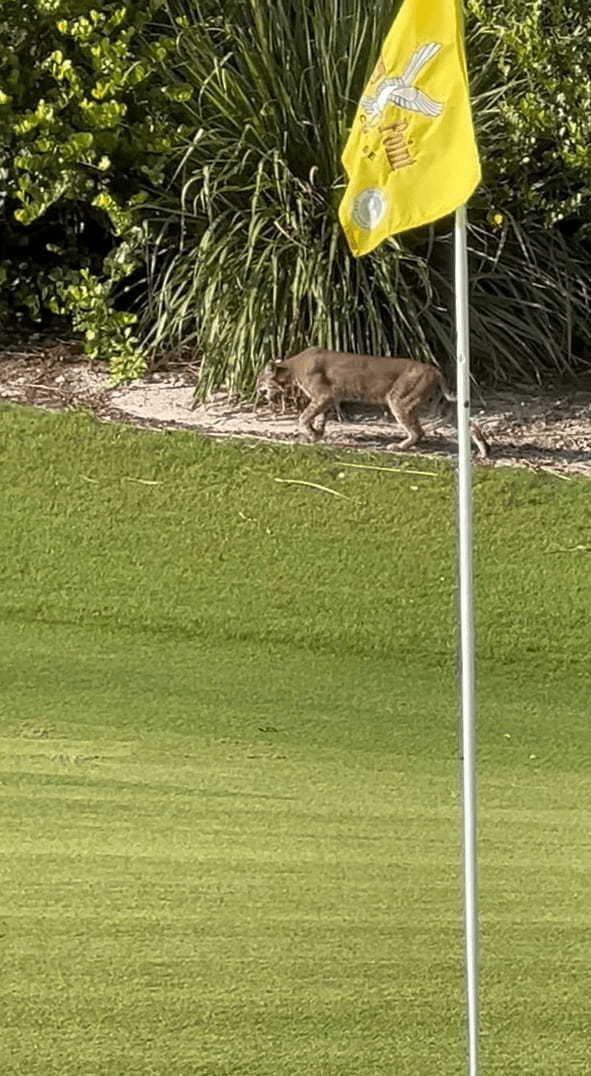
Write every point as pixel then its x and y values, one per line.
pixel 280 364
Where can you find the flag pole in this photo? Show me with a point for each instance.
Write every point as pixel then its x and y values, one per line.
pixel 468 730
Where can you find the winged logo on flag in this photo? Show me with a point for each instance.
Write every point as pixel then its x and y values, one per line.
pixel 400 91
pixel 411 156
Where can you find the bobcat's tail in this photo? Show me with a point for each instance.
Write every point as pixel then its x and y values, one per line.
pixel 477 434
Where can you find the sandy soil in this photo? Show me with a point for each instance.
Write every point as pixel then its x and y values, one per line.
pixel 548 430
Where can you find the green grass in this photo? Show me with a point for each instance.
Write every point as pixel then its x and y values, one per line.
pixel 230 834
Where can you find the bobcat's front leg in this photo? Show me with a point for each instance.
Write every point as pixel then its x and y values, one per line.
pixel 315 407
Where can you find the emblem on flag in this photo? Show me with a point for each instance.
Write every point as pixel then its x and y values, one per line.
pixel 401 91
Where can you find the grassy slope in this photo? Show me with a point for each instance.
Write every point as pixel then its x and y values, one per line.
pixel 229 750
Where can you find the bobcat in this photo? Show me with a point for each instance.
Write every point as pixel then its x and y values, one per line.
pixel 328 378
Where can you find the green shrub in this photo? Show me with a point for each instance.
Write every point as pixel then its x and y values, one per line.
pixel 536 138
pixel 86 119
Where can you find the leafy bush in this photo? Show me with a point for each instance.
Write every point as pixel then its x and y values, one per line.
pixel 536 141
pixel 86 120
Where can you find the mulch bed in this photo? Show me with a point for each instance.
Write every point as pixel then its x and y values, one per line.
pixel 546 430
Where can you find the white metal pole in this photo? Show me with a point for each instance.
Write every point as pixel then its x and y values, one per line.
pixel 468 731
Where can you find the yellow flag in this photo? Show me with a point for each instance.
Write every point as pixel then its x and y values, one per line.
pixel 411 156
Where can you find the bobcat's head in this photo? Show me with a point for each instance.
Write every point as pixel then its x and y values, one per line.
pixel 272 379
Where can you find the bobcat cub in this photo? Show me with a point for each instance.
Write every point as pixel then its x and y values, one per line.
pixel 328 378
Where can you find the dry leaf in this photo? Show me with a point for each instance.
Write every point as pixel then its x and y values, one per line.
pixel 392 470
pixel 313 485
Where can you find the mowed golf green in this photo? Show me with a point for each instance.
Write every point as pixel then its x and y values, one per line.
pixel 230 834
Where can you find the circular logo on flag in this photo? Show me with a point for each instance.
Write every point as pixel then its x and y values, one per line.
pixel 368 208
